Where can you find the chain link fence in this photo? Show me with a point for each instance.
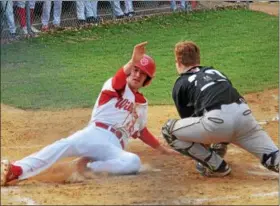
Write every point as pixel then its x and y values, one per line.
pixel 17 21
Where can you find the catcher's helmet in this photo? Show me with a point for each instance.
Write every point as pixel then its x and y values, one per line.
pixel 147 65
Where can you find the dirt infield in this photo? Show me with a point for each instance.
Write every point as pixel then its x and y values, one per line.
pixel 162 180
pixel 270 8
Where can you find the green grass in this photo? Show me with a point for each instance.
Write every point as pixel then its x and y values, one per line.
pixel 68 69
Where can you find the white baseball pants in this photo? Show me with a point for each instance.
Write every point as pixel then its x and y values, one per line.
pixel 86 9
pixel 57 5
pixel 9 15
pixel 21 4
pixel 93 142
pixel 128 6
pixel 174 6
pixel 116 6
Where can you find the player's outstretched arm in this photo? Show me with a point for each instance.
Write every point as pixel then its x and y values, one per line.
pixel 138 53
pixel 148 138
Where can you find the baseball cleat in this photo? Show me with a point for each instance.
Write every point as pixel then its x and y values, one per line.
pixel 223 170
pixel 5 168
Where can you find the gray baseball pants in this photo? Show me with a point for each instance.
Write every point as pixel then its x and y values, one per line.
pixel 233 123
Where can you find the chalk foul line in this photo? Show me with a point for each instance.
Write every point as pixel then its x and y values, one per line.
pixel 190 200
pixel 17 198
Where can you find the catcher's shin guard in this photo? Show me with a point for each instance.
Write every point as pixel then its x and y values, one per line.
pixel 184 148
pixel 172 140
pixel 219 148
pixel 190 149
pixel 223 170
pixel 271 161
pixel 167 131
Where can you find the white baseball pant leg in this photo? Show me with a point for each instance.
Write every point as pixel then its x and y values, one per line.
pixel 80 9
pixel 128 6
pixel 123 163
pixel 46 13
pixel 9 15
pixel 173 5
pixel 98 144
pixel 91 8
pixel 116 6
pixel 183 4
pixel 21 4
pixel 57 6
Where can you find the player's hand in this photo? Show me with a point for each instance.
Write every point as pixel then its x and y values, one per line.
pixel 138 52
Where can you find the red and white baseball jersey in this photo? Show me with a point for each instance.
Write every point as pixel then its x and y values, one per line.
pixel 119 106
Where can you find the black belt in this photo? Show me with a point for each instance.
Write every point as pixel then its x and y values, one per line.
pixel 219 106
pixel 213 107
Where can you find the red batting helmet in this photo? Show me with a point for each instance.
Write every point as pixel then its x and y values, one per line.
pixel 147 65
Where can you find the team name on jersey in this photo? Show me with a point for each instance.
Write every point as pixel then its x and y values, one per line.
pixel 124 104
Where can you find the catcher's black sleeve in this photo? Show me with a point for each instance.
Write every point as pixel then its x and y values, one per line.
pixel 181 101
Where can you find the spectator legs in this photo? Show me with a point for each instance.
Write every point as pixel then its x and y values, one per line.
pixel 8 5
pixel 57 13
pixel 194 4
pixel 117 11
pixel 173 5
pixel 183 4
pixel 21 12
pixel 22 16
pixel 129 11
pixel 80 8
pixel 46 15
pixel 87 12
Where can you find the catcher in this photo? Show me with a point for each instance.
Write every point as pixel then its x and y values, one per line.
pixel 212 112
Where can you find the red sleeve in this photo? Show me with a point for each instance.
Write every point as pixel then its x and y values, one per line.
pixel 119 80
pixel 148 138
pixel 139 98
